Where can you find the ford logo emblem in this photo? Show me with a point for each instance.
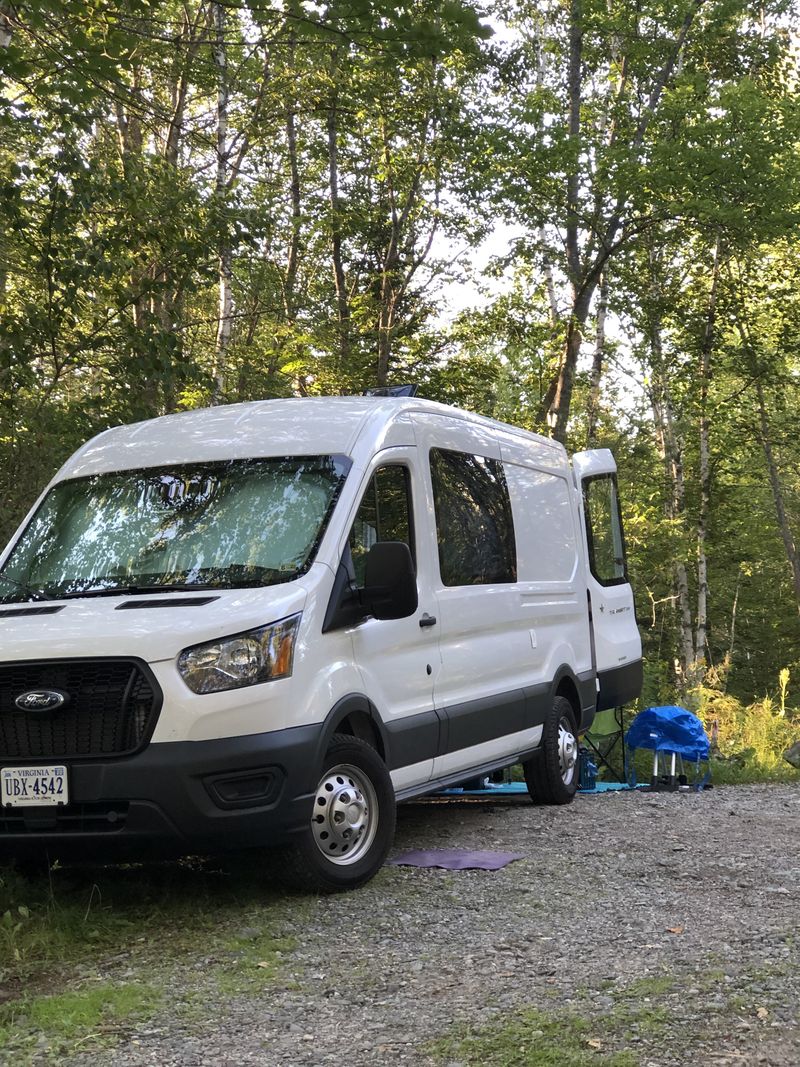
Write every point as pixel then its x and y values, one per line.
pixel 41 700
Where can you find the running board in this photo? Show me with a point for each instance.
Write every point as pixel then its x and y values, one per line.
pixel 433 785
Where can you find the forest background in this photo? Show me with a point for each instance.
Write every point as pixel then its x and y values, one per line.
pixel 212 201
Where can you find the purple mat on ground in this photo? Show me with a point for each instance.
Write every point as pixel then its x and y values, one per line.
pixel 456 859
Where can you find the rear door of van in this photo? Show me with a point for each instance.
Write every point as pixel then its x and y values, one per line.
pixel 617 644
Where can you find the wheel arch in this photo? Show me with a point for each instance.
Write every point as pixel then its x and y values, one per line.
pixel 566 684
pixel 356 715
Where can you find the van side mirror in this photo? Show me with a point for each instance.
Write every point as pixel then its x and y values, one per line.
pixel 390 584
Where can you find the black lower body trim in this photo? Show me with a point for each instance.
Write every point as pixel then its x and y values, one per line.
pixel 413 739
pixel 461 726
pixel 477 721
pixel 180 796
pixel 620 685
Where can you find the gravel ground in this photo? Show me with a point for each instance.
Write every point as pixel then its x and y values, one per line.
pixel 668 922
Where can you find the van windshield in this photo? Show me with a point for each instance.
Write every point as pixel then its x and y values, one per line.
pixel 230 524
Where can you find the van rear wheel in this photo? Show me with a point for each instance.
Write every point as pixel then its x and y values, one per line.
pixel 551 774
pixel 351 825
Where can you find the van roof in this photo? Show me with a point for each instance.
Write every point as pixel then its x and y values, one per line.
pixel 287 427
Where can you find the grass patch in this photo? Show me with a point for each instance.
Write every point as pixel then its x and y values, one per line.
pixel 211 930
pixel 88 914
pixel 657 985
pixel 641 1016
pixel 253 963
pixel 80 1015
pixel 533 1039
pixel 746 771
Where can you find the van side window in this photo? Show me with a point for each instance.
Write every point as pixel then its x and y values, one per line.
pixel 604 530
pixel 474 525
pixel 384 515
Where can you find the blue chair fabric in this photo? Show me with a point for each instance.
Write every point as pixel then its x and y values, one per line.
pixel 669 729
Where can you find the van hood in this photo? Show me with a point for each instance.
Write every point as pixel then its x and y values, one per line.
pixel 151 627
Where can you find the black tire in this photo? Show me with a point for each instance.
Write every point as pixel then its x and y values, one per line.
pixel 351 826
pixel 551 774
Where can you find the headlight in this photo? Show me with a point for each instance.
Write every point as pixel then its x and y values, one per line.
pixel 244 659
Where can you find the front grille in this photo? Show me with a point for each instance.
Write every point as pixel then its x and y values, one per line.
pixel 74 819
pixel 112 709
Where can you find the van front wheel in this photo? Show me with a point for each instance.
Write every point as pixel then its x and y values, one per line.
pixel 352 822
pixel 552 773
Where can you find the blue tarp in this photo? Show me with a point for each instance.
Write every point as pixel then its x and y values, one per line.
pixel 669 729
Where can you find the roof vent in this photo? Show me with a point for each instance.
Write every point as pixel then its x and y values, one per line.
pixel 392 390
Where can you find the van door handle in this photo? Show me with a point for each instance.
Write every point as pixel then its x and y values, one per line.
pixel 427 620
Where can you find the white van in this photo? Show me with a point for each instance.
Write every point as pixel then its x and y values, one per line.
pixel 264 624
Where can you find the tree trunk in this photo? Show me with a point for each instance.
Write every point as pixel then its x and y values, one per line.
pixel 557 401
pixel 732 640
pixel 225 261
pixel 777 492
pixel 671 451
pixel 342 302
pixel 180 89
pixel 597 363
pixel 585 267
pixel 388 271
pixel 558 413
pixel 6 23
pixel 385 326
pixel 706 349
pixel 292 259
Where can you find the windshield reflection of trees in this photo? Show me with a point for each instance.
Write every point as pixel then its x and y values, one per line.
pixel 383 515
pixel 240 522
pixel 608 555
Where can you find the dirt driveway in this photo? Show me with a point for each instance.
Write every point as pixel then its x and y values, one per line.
pixel 638 930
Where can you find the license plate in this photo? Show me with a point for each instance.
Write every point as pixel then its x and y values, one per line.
pixel 33 787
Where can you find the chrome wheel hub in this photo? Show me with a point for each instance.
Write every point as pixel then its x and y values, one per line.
pixel 345 815
pixel 567 751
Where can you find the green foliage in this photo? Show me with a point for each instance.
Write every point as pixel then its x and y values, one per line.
pixel 111 218
pixel 751 738
pixel 368 149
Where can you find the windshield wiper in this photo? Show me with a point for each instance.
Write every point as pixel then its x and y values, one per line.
pixel 35 594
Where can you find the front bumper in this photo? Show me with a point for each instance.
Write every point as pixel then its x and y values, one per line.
pixel 183 796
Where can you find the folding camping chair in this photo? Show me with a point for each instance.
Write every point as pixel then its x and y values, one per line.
pixel 606 739
pixel 673 734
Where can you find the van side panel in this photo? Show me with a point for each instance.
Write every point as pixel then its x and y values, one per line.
pixel 547 544
pixel 486 655
pixel 552 594
pixel 503 644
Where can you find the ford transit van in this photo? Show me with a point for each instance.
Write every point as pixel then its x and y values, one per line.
pixel 266 624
